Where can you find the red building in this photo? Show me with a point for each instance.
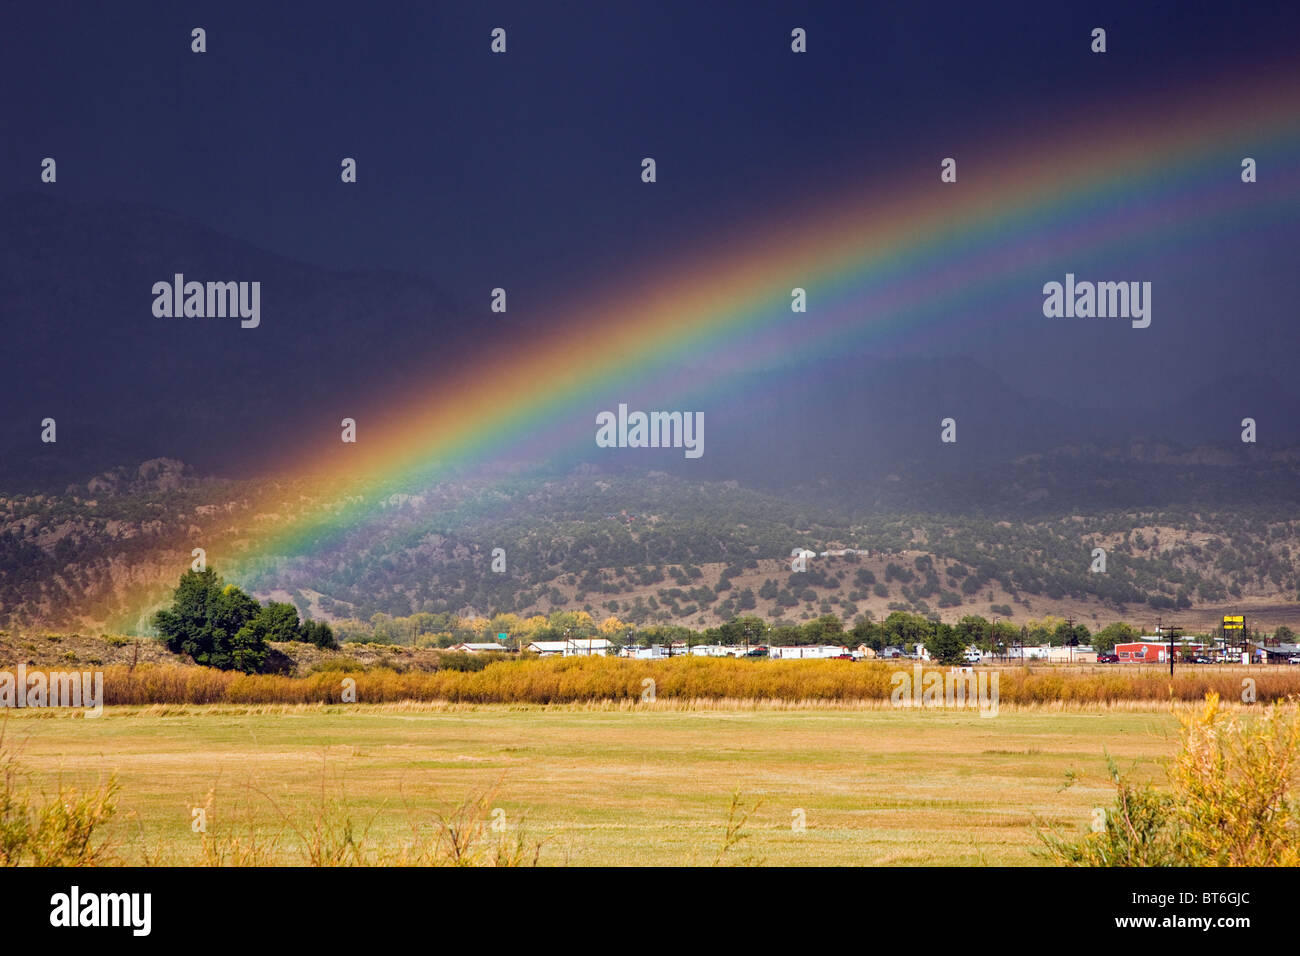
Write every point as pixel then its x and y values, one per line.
pixel 1153 651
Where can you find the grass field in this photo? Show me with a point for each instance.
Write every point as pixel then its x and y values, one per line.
pixel 614 784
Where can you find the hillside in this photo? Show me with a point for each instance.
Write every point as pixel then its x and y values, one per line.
pixel 66 652
pixel 1189 532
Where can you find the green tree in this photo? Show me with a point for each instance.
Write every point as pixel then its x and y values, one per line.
pixel 945 644
pixel 869 633
pixel 784 635
pixel 742 630
pixel 278 621
pixel 907 630
pixel 1005 635
pixel 827 629
pixel 210 620
pixel 974 629
pixel 1065 635
pixel 1104 641
pixel 319 633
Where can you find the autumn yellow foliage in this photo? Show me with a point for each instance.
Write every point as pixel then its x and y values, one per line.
pixel 579 679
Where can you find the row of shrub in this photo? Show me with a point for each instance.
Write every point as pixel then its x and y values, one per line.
pixel 580 679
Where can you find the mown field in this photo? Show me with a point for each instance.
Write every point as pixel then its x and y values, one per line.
pixel 606 783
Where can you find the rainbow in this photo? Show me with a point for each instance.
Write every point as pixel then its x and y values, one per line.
pixel 879 264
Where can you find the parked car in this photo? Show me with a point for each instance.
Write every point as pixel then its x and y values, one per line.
pixel 1293 660
pixel 842 657
pixel 1107 658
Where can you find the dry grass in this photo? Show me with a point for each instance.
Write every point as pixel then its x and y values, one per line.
pixel 60 830
pixel 590 784
pixel 1232 801
pixel 587 679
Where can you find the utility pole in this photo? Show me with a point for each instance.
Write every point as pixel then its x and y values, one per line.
pixel 1173 634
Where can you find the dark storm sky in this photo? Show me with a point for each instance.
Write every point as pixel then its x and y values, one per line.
pixel 522 170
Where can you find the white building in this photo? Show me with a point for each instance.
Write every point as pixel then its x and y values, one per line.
pixel 574 647
pixel 472 648
pixel 1082 654
pixel 805 652
pixel 718 650
pixel 653 653
pixel 1029 652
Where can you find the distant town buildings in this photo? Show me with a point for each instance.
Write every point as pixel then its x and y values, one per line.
pixel 806 652
pixel 1149 649
pixel 574 647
